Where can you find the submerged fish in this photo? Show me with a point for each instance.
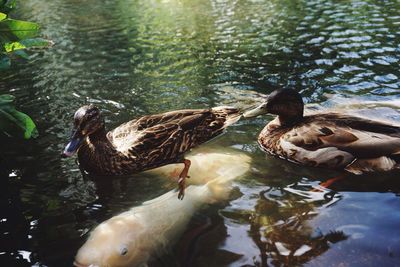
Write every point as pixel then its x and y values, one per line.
pixel 133 237
pixel 205 165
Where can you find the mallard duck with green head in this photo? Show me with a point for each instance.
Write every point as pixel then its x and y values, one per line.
pixel 144 143
pixel 330 140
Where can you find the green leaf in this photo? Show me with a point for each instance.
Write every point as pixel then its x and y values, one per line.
pixel 14 122
pixel 19 28
pixel 27 43
pixel 17 35
pixel 2 16
pixel 5 62
pixel 26 123
pixel 10 47
pixel 36 43
pixel 17 48
pixel 6 100
pixel 21 53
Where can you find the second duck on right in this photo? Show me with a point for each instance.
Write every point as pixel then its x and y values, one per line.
pixel 330 140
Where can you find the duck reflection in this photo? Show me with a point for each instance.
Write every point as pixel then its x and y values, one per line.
pixel 271 169
pixel 279 225
pixel 284 223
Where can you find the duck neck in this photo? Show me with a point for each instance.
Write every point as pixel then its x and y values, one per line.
pixel 96 153
pixel 289 114
pixel 98 143
pixel 289 120
pixel 100 136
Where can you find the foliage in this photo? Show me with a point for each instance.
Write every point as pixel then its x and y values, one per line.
pixel 15 37
pixel 14 122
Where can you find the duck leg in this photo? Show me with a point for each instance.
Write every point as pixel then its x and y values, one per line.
pixel 328 183
pixel 182 178
pixel 331 181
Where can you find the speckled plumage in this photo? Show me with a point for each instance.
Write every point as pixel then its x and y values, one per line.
pixel 335 141
pixel 328 140
pixel 152 141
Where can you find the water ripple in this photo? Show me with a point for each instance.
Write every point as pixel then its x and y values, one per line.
pixel 133 57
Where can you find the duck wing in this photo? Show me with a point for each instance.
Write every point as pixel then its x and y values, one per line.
pixel 336 140
pixel 169 135
pixel 128 132
pixel 359 123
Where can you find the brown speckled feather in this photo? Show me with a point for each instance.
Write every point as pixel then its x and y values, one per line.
pixel 336 141
pixel 154 140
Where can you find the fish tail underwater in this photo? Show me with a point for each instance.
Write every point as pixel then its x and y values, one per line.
pixel 221 186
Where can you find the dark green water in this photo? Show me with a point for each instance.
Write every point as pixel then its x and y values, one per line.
pixel 137 57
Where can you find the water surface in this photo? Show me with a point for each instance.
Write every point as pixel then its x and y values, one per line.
pixel 134 57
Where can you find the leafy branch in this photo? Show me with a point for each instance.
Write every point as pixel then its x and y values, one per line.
pixel 16 36
pixel 14 122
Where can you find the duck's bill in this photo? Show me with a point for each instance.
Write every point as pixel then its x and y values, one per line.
pixel 255 112
pixel 72 146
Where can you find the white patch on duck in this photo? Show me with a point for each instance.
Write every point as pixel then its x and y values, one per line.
pixel 326 156
pixel 360 166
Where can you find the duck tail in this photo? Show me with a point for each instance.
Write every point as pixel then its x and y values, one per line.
pixel 230 114
pixel 396 158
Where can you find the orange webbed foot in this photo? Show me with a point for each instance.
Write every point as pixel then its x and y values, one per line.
pixel 182 178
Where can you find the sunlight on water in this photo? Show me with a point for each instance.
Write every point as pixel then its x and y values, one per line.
pixel 134 57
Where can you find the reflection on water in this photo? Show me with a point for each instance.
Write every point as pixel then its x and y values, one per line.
pixel 133 57
pixel 280 224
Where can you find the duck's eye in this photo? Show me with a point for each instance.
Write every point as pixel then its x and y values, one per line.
pixel 90 116
pixel 124 251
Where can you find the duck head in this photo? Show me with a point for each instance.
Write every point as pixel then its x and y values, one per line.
pixel 87 121
pixel 286 103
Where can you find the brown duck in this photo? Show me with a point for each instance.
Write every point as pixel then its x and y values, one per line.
pixel 330 140
pixel 145 143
